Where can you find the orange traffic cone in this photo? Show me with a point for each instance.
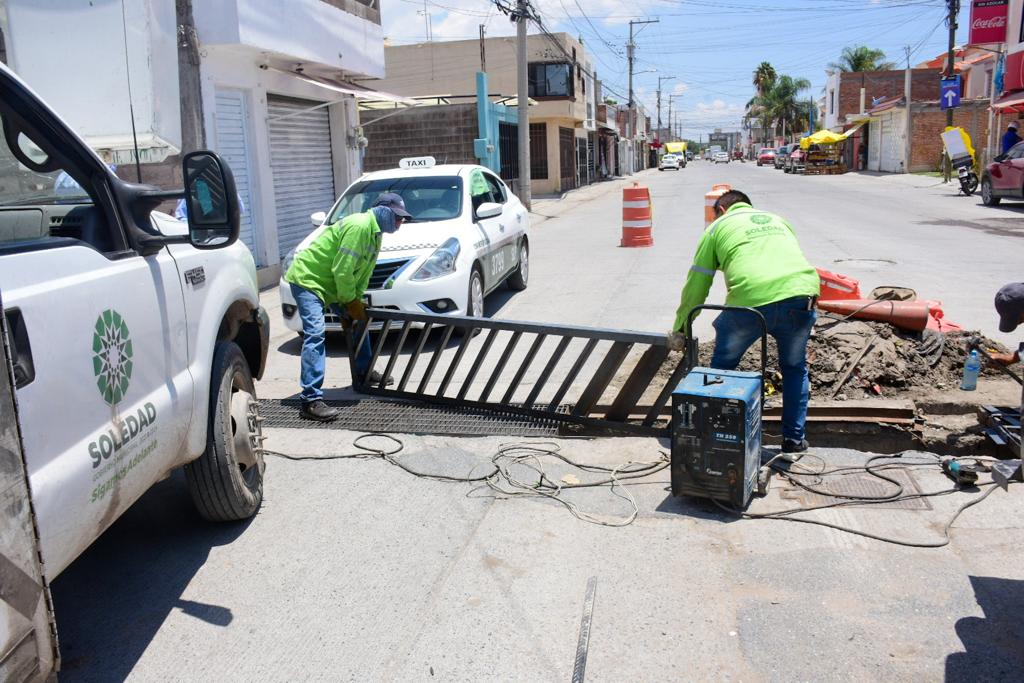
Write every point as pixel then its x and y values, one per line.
pixel 909 315
pixel 709 201
pixel 636 217
pixel 835 286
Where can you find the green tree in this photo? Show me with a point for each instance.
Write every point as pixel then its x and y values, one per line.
pixel 861 58
pixel 784 104
pixel 763 79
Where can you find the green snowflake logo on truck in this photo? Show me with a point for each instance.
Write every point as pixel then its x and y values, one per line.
pixel 112 356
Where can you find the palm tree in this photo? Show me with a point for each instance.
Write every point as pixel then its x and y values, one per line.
pixel 783 104
pixel 861 58
pixel 764 79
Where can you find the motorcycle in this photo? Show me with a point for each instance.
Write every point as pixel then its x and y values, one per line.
pixel 967 177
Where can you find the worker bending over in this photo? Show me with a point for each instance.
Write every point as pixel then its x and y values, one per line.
pixel 764 269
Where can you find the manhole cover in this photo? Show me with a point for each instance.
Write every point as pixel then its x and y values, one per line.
pixel 859 484
pixel 411 418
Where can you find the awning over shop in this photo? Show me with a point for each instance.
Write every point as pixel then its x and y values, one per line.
pixel 360 93
pixel 1011 102
pixel 827 137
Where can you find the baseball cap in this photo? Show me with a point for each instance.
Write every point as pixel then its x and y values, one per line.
pixel 1010 306
pixel 394 202
pixel 1014 125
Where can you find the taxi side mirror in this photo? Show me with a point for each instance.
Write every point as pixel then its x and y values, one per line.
pixel 488 210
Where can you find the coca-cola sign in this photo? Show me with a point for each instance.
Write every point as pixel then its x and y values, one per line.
pixel 988 21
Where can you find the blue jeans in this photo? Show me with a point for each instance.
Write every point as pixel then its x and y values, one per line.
pixel 789 322
pixel 314 351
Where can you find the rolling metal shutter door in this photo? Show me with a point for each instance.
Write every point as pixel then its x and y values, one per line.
pixel 233 146
pixel 300 158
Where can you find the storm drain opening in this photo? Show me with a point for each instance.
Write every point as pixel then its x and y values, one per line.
pixel 407 417
pixel 862 484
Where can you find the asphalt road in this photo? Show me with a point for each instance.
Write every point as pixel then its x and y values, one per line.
pixel 356 570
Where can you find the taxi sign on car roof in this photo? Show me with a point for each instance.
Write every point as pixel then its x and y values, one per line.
pixel 410 163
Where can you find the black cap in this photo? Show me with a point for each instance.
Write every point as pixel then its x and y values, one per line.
pixel 394 202
pixel 1010 306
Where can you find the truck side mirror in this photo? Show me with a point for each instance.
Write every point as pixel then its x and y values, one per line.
pixel 211 201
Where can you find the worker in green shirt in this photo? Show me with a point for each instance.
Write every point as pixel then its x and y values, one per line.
pixel 334 270
pixel 764 269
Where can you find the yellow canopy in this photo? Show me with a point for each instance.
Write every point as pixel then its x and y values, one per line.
pixel 675 147
pixel 822 137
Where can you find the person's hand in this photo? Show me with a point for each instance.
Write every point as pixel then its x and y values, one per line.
pixel 356 310
pixel 1003 358
pixel 676 341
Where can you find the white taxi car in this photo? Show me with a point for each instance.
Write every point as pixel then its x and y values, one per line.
pixel 468 235
pixel 670 161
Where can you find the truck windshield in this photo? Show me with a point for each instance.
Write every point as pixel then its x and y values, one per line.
pixel 427 198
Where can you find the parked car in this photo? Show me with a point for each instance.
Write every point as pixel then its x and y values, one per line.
pixel 796 160
pixel 468 235
pixel 780 156
pixel 671 161
pixel 1003 178
pixel 766 156
pixel 721 157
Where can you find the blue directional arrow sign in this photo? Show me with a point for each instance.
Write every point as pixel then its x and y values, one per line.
pixel 950 92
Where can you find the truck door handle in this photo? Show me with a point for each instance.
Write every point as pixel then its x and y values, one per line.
pixel 21 349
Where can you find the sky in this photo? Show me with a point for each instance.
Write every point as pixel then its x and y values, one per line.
pixel 705 51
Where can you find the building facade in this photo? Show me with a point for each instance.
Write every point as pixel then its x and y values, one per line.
pixel 563 120
pixel 266 84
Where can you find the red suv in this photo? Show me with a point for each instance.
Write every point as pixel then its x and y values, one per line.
pixel 1004 177
pixel 766 156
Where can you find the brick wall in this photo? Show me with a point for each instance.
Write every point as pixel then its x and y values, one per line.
pixel 924 85
pixel 445 132
pixel 928 121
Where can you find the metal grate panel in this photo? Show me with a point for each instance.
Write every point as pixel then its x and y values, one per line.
pixel 370 415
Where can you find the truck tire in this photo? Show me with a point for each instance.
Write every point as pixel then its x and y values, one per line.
pixel 226 481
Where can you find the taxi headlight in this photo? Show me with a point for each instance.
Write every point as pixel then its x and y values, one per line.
pixel 441 262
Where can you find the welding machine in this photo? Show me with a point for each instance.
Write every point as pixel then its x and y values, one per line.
pixel 716 426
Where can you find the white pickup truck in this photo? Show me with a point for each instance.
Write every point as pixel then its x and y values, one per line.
pixel 130 344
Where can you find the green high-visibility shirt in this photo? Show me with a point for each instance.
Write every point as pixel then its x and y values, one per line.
pixel 337 265
pixel 760 257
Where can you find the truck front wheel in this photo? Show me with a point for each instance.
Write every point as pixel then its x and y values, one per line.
pixel 226 481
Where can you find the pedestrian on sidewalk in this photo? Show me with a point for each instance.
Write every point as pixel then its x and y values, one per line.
pixel 1010 306
pixel 765 269
pixel 1010 137
pixel 334 270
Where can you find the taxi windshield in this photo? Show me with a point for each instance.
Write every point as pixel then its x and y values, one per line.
pixel 427 198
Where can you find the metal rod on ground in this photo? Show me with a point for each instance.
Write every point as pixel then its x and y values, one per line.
pixel 976 345
pixel 522 16
pixel 853 366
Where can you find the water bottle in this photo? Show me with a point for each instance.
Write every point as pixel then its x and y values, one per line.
pixel 971 369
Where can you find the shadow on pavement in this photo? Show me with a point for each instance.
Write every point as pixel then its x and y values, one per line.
pixel 112 600
pixel 994 643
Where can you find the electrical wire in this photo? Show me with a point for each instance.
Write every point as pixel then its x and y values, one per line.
pixel 505 480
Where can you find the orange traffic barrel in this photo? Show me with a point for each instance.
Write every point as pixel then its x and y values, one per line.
pixel 709 201
pixel 636 217
pixel 909 315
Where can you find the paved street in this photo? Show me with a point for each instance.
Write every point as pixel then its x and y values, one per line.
pixel 356 570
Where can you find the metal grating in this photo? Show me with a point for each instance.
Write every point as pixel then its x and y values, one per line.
pixel 401 417
pixel 860 484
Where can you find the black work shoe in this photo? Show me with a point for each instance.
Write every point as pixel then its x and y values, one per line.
pixel 375 377
pixel 319 411
pixel 794 449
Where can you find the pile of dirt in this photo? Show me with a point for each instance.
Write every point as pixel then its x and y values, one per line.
pixel 897 362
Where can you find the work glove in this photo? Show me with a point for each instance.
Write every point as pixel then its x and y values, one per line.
pixel 356 310
pixel 676 341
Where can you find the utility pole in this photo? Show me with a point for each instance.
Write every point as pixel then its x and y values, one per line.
pixel 630 47
pixel 910 119
pixel 522 16
pixel 954 10
pixel 483 51
pixel 660 79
